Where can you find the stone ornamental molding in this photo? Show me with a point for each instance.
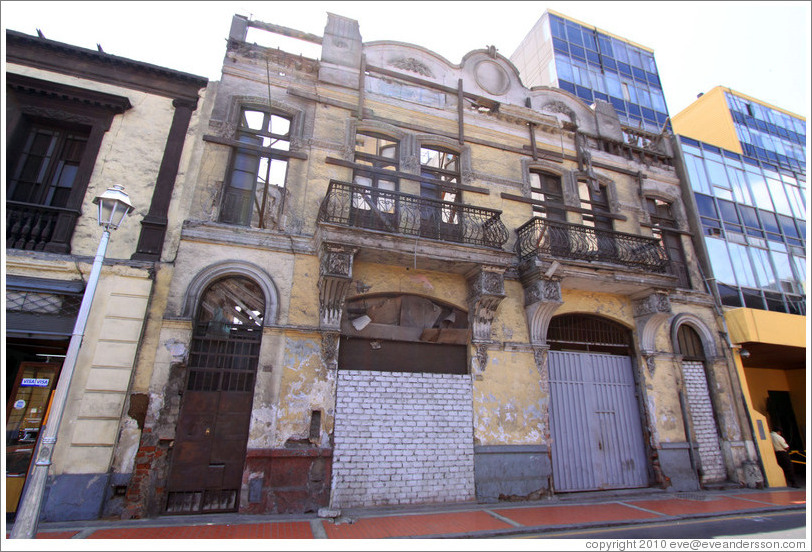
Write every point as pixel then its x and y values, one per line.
pixel 413 66
pixel 335 275
pixel 650 313
pixel 486 290
pixel 542 297
pixel 329 349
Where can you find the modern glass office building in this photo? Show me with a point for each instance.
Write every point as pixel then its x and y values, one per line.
pixel 746 164
pixel 594 65
pixel 753 219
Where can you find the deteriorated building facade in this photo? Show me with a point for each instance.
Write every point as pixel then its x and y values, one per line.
pixel 79 121
pixel 404 280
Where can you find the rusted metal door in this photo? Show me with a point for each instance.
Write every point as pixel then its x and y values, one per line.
pixel 212 431
pixel 595 423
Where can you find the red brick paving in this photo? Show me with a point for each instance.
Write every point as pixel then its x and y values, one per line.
pixel 414 525
pixel 279 530
pixel 779 498
pixel 565 515
pixel 681 506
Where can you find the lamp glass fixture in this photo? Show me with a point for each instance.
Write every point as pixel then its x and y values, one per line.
pixel 114 204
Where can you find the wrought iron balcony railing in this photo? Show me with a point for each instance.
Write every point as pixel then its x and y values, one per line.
pixel 36 227
pixel 574 241
pixel 398 213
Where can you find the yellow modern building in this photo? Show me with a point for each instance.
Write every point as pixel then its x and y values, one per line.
pixel 746 164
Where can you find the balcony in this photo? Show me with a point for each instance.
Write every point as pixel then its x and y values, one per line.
pixel 357 206
pixel 562 240
pixel 36 227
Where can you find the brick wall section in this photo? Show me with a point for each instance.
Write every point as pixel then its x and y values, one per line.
pixel 402 438
pixel 710 455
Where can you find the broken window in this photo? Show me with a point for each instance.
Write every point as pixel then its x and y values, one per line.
pixel 547 188
pixel 595 202
pixel 380 157
pixel 255 188
pixel 440 172
pixel 663 227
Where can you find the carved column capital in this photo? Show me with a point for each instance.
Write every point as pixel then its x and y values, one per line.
pixel 335 275
pixel 486 290
pixel 542 297
pixel 650 313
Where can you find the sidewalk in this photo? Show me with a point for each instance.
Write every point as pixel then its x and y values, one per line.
pixel 466 520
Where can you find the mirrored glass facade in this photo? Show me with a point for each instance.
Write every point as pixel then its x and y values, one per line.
pixel 594 66
pixel 753 216
pixel 768 134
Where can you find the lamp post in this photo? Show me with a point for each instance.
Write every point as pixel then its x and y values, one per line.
pixel 114 206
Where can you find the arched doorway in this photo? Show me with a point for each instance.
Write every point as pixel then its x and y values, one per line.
pixel 705 433
pixel 215 412
pixel 597 437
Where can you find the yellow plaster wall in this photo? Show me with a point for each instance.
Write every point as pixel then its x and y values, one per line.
pixel 708 119
pixel 510 407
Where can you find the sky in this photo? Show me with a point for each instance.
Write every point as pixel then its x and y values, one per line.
pixel 761 49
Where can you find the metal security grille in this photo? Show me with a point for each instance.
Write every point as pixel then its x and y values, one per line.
pixel 225 360
pixel 588 333
pixel 32 302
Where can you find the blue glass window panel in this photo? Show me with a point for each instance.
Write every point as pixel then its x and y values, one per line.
pixel 696 172
pixel 563 67
pixel 727 209
pixel 634 110
pixel 635 119
pixel 782 267
pixel 634 57
pixel 619 104
pixel 750 220
pixel 758 186
pixel 705 206
pixel 606 45
pixel 741 265
pixel 560 46
pixel 589 39
pixel 639 74
pixel 557 27
pixel 769 222
pixel 796 201
pixel 790 231
pixel 649 114
pixel 653 79
pixel 763 268
pixel 568 86
pixel 624 69
pixel 601 96
pixel 574 34
pixel 802 228
pixel 644 99
pixel 609 64
pixel 779 196
pixel 731 155
pixel 729 295
pixel 739 184
pixel 689 141
pixel 720 261
pixel 621 53
pixel 661 117
pixel 577 51
pixel 714 149
pixel 593 57
pixel 614 88
pixel 584 93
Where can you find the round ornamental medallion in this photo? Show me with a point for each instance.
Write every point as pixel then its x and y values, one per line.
pixel 492 77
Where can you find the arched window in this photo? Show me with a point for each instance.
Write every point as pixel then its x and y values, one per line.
pixel 585 332
pixel 689 345
pixel 227 334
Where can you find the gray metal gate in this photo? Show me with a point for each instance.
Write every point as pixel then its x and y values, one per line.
pixel 595 423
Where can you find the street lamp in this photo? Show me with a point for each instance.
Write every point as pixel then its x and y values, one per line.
pixel 114 205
